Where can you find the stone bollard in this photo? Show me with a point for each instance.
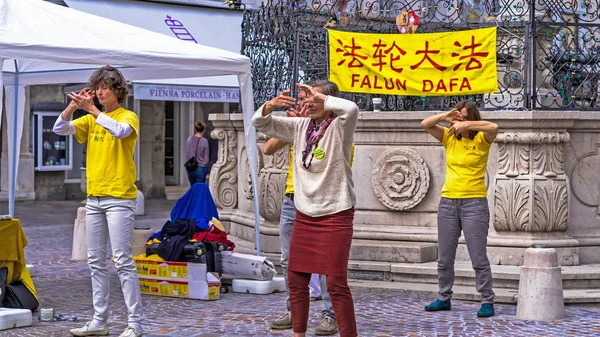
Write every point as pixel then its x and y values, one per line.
pixel 540 286
pixel 79 252
pixel 140 236
pixel 139 205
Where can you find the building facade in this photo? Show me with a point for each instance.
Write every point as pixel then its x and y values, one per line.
pixel 167 108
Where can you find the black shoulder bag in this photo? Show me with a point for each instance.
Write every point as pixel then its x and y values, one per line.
pixel 19 297
pixel 192 164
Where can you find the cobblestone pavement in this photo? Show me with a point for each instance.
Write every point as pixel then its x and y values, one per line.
pixel 65 286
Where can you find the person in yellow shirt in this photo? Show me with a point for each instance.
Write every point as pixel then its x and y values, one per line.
pixel 463 206
pixel 110 171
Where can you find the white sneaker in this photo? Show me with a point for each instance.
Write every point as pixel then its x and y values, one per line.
pixel 131 332
pixel 90 329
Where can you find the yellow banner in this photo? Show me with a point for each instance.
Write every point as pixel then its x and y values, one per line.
pixel 436 64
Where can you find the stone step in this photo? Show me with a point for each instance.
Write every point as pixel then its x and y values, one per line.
pixel 393 251
pixel 242 246
pixel 504 276
pixel 466 293
pixel 581 283
pixel 573 277
pixel 175 192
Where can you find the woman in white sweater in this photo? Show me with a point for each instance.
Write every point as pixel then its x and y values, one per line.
pixel 324 196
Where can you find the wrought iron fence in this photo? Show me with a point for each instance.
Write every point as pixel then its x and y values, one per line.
pixel 548 52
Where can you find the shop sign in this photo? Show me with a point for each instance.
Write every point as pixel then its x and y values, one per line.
pixel 188 94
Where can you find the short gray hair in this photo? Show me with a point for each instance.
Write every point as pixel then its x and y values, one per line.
pixel 327 87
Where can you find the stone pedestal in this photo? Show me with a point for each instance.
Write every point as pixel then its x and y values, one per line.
pixel 543 187
pixel 540 286
pixel 531 197
pixel 139 204
pixel 79 252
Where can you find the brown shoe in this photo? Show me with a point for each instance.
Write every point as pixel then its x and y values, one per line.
pixel 283 323
pixel 327 327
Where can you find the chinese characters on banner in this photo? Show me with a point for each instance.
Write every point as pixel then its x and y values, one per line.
pixel 436 64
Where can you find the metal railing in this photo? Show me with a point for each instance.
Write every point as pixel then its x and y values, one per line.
pixel 548 52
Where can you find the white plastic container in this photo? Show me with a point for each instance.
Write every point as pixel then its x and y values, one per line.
pixel 246 266
pixel 14 318
pixel 31 269
pixel 277 284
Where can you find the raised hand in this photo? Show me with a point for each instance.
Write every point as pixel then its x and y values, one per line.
pixel 312 96
pixel 83 100
pixel 453 115
pixel 73 103
pixel 458 127
pixel 303 112
pixel 282 101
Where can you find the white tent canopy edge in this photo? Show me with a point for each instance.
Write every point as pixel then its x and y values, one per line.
pixel 39 45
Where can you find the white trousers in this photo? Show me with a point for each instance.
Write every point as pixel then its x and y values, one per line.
pixel 108 217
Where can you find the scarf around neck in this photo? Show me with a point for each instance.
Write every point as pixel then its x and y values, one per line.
pixel 314 133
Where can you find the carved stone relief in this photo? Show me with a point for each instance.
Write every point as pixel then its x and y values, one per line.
pixel 247 174
pixel 551 205
pixel 514 153
pixel 585 180
pixel 548 154
pixel 531 193
pixel 400 178
pixel 223 176
pixel 279 159
pixel 511 212
pixel 272 184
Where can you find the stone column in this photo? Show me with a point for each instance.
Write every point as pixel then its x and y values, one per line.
pixel 531 197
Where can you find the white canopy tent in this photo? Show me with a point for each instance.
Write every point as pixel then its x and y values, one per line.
pixel 42 43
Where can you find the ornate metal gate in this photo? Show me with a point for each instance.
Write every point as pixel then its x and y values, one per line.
pixel 547 51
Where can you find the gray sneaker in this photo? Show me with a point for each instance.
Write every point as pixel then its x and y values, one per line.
pixel 283 323
pixel 90 329
pixel 131 332
pixel 327 327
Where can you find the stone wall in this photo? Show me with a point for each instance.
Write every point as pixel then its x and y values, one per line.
pixel 542 177
pixel 32 184
pixel 152 149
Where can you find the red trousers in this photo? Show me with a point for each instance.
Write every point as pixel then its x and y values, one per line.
pixel 341 299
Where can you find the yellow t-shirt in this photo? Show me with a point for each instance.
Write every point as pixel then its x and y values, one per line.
pixel 289 183
pixel 466 160
pixel 110 170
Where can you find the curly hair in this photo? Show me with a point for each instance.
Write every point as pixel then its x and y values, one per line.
pixel 111 77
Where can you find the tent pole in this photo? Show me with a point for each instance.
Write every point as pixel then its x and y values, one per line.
pixel 13 164
pixel 254 176
pixel 1 90
pixel 245 81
